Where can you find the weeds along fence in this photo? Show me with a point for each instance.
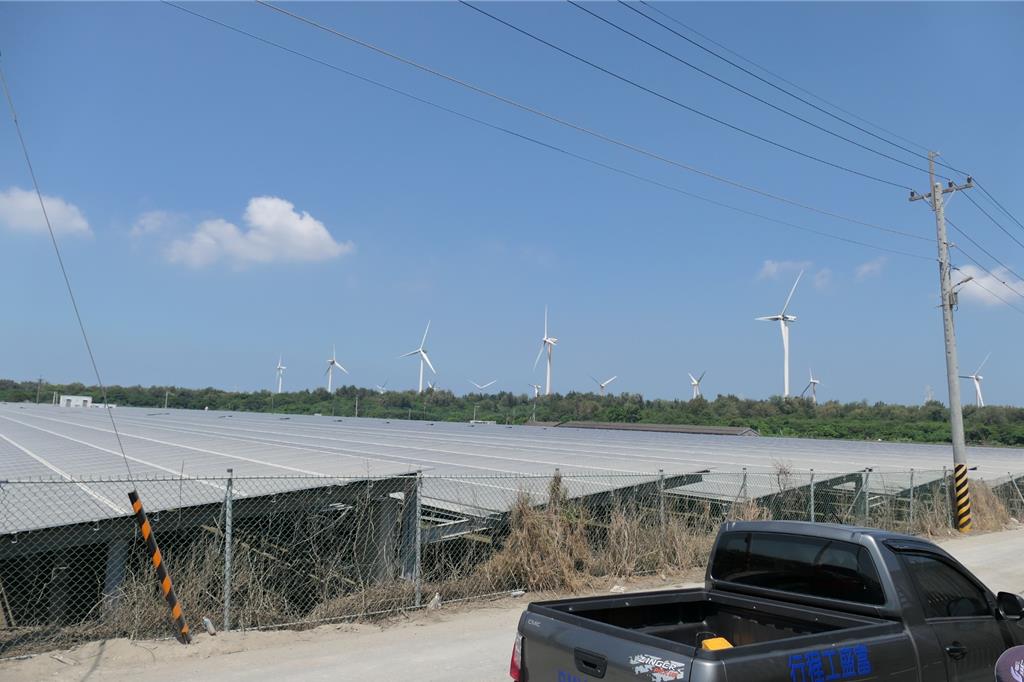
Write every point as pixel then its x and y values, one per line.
pixel 297 551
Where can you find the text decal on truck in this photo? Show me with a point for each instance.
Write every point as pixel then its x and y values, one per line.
pixel 845 663
pixel 656 668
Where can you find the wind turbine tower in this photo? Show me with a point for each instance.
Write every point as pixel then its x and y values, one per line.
pixel 546 343
pixel 695 384
pixel 421 352
pixel 331 364
pixel 976 378
pixel 603 384
pixel 784 320
pixel 280 373
pixel 812 386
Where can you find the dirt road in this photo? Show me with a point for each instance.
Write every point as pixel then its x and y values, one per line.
pixel 455 644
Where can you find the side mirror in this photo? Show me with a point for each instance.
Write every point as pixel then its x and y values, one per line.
pixel 1011 605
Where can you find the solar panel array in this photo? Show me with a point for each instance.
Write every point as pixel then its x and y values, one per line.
pixel 464 464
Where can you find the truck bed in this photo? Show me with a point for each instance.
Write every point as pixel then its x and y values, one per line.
pixel 683 619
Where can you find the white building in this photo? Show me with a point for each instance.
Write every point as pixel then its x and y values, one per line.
pixel 75 401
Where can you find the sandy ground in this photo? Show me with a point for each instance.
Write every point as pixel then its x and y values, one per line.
pixel 458 643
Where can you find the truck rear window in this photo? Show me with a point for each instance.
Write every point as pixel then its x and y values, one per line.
pixel 816 567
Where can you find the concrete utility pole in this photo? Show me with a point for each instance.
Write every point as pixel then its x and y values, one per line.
pixel 949 298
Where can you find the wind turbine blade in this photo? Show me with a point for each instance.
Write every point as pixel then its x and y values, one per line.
pixel 610 380
pixel 791 292
pixel 702 376
pixel 412 352
pixel 423 354
pixel 978 371
pixel 489 383
pixel 424 341
pixel 539 353
pixel 767 318
pixel 692 379
pixel 338 364
pixel 328 370
pixel 545 322
pixel 594 379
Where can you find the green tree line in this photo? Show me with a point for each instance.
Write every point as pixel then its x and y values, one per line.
pixel 796 417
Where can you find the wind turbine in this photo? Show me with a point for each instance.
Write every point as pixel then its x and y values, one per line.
pixel 812 386
pixel 422 353
pixel 548 342
pixel 536 389
pixel 695 384
pixel 280 373
pixel 976 378
pixel 783 319
pixel 481 387
pixel 331 364
pixel 381 387
pixel 603 384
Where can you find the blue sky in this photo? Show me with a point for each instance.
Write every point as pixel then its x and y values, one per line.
pixel 188 158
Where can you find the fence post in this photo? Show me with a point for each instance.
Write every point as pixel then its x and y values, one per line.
pixel 1013 481
pixel 911 499
pixel 812 495
pixel 227 550
pixel 419 538
pixel 743 486
pixel 661 498
pixel 867 495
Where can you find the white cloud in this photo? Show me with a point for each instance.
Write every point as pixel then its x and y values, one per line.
pixel 822 278
pixel 274 232
pixel 985 287
pixel 771 269
pixel 20 212
pixel 871 268
pixel 151 222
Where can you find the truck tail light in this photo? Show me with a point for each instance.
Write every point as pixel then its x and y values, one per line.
pixel 515 667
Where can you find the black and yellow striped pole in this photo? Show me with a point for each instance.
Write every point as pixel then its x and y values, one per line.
pixel 962 493
pixel 161 570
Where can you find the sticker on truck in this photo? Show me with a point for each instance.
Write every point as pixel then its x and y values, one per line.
pixel 827 665
pixel 657 669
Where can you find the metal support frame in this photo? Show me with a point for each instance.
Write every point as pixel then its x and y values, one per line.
pixel 227 549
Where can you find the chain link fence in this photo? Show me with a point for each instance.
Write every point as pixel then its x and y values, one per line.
pixel 295 551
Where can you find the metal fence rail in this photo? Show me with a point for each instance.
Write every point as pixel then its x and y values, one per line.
pixel 268 552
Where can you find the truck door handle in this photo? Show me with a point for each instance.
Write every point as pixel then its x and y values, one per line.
pixel 956 651
pixel 589 663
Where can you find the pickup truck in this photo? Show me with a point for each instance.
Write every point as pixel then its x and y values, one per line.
pixel 786 601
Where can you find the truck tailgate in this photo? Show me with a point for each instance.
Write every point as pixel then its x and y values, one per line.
pixel 561 652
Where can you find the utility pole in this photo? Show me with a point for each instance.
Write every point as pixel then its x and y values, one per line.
pixel 39 387
pixel 357 406
pixel 167 394
pixel 949 299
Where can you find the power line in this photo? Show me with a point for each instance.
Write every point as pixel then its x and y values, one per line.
pixel 995 222
pixel 781 78
pixel 678 103
pixel 63 270
pixel 996 202
pixel 804 90
pixel 993 294
pixel 989 254
pixel 728 84
pixel 577 127
pixel 556 148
